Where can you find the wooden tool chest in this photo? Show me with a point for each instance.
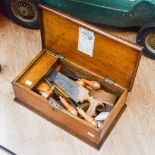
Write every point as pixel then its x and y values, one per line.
pixel 89 53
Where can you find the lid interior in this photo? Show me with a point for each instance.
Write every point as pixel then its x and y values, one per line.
pixel 112 57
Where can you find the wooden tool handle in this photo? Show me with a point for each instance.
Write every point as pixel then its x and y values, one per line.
pixel 88 118
pixel 89 84
pixel 70 108
pixel 44 90
pixel 92 110
pixel 93 84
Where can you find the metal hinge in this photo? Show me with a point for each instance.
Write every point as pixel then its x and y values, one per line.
pixel 56 54
pixel 59 56
pixel 109 80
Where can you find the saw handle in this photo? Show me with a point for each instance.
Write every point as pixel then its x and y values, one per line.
pixel 69 107
pixel 87 117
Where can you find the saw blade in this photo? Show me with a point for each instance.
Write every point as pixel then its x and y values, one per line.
pixel 69 86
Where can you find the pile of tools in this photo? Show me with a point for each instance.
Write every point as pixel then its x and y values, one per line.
pixel 81 98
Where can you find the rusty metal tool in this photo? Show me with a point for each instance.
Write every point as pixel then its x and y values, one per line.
pixel 44 90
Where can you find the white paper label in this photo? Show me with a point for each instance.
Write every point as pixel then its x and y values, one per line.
pixel 45 95
pixel 86 41
pixel 28 82
pixel 90 134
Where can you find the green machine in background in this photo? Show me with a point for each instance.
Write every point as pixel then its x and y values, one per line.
pixel 120 13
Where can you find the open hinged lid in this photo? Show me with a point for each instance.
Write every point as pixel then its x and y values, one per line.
pixel 90 47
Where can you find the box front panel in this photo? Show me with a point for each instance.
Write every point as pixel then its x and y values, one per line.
pixel 62 119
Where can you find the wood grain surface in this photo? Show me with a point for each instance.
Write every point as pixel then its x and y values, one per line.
pixel 26 133
pixel 38 70
pixel 112 58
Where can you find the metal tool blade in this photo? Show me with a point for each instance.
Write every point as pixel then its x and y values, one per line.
pixel 69 86
pixel 58 92
pixel 55 103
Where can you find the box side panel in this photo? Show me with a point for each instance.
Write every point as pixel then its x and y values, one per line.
pixel 104 137
pixel 112 118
